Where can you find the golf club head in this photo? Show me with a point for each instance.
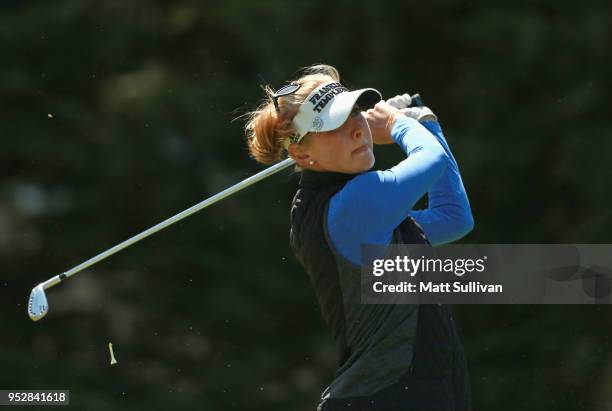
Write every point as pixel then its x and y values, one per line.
pixel 37 304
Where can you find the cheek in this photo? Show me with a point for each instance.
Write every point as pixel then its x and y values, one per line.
pixel 323 149
pixel 331 145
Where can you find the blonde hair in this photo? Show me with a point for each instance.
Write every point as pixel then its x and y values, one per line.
pixel 266 129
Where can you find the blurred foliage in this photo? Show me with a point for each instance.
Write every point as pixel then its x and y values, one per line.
pixel 116 115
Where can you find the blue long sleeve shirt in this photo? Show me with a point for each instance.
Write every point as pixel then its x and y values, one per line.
pixel 371 205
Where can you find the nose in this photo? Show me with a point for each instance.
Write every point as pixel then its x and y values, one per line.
pixel 356 130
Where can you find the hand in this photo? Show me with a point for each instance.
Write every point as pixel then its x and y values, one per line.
pixel 402 102
pixel 419 113
pixel 381 119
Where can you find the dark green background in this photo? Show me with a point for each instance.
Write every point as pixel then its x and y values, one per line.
pixel 115 115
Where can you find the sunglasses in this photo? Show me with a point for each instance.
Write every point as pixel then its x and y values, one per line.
pixel 284 91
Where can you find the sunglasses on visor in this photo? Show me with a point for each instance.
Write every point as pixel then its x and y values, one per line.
pixel 284 91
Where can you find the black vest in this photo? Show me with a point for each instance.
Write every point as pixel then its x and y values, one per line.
pixel 375 342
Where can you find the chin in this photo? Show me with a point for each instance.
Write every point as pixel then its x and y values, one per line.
pixel 367 164
pixel 372 161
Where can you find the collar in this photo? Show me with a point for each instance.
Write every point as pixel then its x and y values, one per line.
pixel 321 179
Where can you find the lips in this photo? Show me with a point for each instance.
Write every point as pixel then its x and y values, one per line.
pixel 361 149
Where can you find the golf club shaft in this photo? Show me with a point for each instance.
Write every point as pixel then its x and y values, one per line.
pixel 183 214
pixel 416 101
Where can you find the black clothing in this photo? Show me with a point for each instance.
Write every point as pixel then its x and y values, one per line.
pixel 392 357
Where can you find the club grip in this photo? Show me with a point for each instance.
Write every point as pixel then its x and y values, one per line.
pixel 417 101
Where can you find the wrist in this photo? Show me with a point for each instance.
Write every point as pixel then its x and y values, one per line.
pixel 401 125
pixel 392 121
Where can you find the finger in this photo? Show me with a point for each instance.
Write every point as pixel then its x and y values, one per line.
pixel 419 113
pixel 400 101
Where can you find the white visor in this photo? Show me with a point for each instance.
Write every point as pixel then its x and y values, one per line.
pixel 328 106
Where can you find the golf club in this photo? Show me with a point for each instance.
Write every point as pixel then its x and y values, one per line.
pixel 38 305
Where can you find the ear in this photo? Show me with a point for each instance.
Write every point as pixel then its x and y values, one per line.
pixel 300 154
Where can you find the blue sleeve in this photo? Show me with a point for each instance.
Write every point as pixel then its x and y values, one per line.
pixel 448 216
pixel 371 205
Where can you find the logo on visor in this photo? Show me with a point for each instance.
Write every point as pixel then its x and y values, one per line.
pixel 325 94
pixel 317 123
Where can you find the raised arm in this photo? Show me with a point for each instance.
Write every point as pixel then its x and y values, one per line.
pixel 448 216
pixel 373 204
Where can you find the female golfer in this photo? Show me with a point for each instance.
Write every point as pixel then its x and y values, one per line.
pixel 391 357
